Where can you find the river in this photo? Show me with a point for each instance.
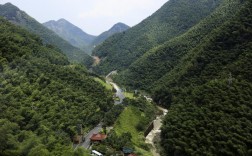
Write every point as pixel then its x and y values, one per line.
pixel 156 131
pixel 157 122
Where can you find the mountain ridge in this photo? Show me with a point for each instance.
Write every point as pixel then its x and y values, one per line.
pixel 71 33
pixel 116 28
pixel 173 18
pixel 19 17
pixel 78 38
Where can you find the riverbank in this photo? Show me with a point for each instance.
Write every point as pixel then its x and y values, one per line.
pixel 157 123
pixel 124 121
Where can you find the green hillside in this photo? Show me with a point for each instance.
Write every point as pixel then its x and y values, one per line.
pixel 117 28
pixel 71 33
pixel 210 93
pixel 158 61
pixel 43 97
pixel 16 16
pixel 174 18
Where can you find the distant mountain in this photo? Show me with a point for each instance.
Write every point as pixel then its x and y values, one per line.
pixel 71 33
pixel 18 17
pixel 172 19
pixel 117 28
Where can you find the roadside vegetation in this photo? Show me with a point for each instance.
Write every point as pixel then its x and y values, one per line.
pixel 103 83
pixel 128 127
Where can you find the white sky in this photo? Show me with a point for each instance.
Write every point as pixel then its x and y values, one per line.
pixel 92 16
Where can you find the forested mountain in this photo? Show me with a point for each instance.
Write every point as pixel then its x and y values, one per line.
pixel 117 28
pixel 155 63
pixel 71 33
pixel 209 91
pixel 16 16
pixel 43 97
pixel 172 19
pixel 80 39
pixel 203 75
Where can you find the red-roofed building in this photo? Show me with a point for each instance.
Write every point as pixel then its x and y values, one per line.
pixel 98 137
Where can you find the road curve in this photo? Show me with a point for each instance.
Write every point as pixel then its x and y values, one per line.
pixel 119 92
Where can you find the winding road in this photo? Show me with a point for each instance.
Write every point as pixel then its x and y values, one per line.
pixel 86 144
pixel 119 92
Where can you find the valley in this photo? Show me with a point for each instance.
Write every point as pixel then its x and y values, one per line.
pixel 177 83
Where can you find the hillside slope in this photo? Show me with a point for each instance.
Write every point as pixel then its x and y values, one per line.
pixel 171 20
pixel 155 63
pixel 71 33
pixel 16 16
pixel 117 28
pixel 210 92
pixel 44 98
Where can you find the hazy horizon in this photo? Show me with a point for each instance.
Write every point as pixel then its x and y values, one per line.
pixel 92 16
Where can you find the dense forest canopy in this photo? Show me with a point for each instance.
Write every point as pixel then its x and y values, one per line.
pixel 174 18
pixel 210 93
pixel 193 57
pixel 43 96
pixel 157 62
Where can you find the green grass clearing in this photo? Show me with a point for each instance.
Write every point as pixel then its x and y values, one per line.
pixel 106 85
pixel 127 122
pixel 129 95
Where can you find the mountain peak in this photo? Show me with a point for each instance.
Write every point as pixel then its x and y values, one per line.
pixel 62 20
pixel 71 33
pixel 9 6
pixel 119 27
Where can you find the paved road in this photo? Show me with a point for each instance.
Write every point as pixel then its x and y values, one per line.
pixel 119 92
pixel 86 143
pixel 98 128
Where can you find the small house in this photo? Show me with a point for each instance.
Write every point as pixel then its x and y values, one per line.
pixel 98 137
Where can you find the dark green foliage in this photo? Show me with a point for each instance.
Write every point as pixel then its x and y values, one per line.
pixel 210 93
pixel 225 53
pixel 213 119
pixel 16 16
pixel 112 115
pixel 43 96
pixel 160 60
pixel 174 18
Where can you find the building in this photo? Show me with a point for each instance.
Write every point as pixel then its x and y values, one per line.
pixel 98 137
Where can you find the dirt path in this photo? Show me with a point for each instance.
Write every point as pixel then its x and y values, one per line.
pixel 97 60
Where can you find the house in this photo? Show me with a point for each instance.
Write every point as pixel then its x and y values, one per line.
pixel 98 137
